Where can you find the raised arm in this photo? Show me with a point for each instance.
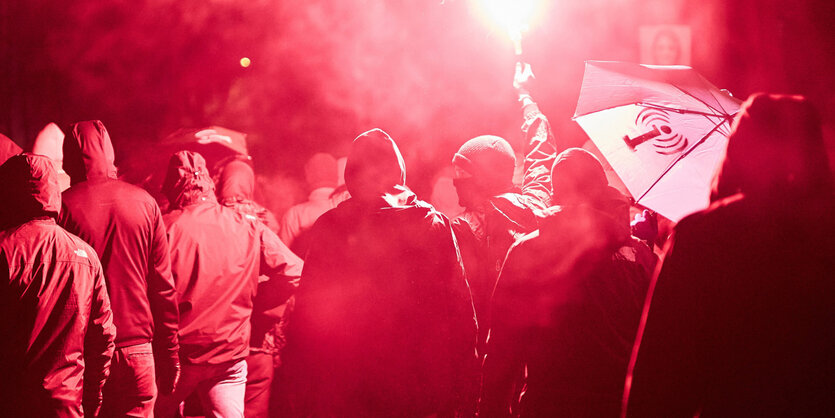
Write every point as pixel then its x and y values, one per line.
pixel 540 143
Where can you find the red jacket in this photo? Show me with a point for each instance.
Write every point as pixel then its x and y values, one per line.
pixel 124 225
pixel 55 318
pixel 217 255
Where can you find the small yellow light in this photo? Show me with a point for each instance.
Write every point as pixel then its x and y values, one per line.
pixel 245 62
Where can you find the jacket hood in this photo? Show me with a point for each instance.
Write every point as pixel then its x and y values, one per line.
pixel 775 151
pixel 8 148
pixel 88 152
pixel 187 180
pixel 28 189
pixel 237 181
pixel 597 212
pixel 374 167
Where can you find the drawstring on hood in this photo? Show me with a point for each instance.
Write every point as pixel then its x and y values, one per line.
pixel 88 152
pixel 187 180
pixel 374 167
pixel 28 189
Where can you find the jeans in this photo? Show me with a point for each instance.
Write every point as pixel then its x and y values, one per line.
pixel 220 387
pixel 131 389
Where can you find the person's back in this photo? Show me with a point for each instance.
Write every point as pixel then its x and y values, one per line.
pixel 321 175
pixel 217 255
pixel 739 317
pixel 383 322
pixel 124 225
pixel 55 315
pixel 567 304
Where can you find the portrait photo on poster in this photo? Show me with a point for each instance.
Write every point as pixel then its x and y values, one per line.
pixel 665 44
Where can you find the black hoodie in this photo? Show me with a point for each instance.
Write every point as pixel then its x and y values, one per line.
pixel 124 225
pixel 384 323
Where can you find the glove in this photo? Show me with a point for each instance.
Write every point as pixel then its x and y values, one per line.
pixel 522 77
pixel 168 372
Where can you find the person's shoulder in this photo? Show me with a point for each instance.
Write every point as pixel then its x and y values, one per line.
pixel 78 250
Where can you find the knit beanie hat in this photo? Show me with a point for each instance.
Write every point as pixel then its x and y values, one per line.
pixel 490 160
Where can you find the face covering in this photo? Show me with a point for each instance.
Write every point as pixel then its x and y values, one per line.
pixel 469 192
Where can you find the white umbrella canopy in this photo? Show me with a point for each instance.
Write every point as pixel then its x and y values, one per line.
pixel 663 129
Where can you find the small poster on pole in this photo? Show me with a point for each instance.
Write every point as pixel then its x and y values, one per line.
pixel 665 44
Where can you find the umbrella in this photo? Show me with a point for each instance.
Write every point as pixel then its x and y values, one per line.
pixel 216 144
pixel 663 129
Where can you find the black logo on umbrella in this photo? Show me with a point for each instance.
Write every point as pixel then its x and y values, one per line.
pixel 656 124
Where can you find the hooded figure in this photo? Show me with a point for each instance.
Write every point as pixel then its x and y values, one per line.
pixel 384 322
pixel 123 224
pixel 567 304
pixel 236 187
pixel 738 321
pixel 217 256
pixel 55 318
pixel 236 190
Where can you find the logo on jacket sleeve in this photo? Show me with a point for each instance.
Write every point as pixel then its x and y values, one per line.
pixel 81 253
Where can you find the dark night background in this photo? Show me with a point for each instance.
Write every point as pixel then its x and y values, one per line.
pixel 429 72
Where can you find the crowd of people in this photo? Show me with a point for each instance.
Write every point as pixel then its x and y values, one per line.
pixel 537 300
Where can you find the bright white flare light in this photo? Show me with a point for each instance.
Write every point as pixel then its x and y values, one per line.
pixel 511 16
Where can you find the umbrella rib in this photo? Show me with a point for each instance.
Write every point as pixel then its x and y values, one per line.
pixel 655 106
pixel 703 102
pixel 681 157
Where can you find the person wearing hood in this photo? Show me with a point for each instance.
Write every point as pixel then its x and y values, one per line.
pixel 567 304
pixel 738 320
pixel 55 317
pixel 123 223
pixel 384 324
pixel 496 212
pixel 217 257
pixel 236 188
pixel 321 175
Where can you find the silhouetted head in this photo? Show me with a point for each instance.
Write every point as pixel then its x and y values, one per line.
pixel 187 180
pixel 88 152
pixel 321 171
pixel 237 181
pixel 28 189
pixel 577 176
pixel 483 168
pixel 374 167
pixel 775 150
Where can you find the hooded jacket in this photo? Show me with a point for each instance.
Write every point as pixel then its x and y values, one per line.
pixel 384 322
pixel 738 321
pixel 567 304
pixel 236 190
pixel 55 318
pixel 217 255
pixel 123 224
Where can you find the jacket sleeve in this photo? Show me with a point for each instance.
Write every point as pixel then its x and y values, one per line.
pixel 98 345
pixel 280 265
pixel 664 374
pixel 540 153
pixel 161 291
